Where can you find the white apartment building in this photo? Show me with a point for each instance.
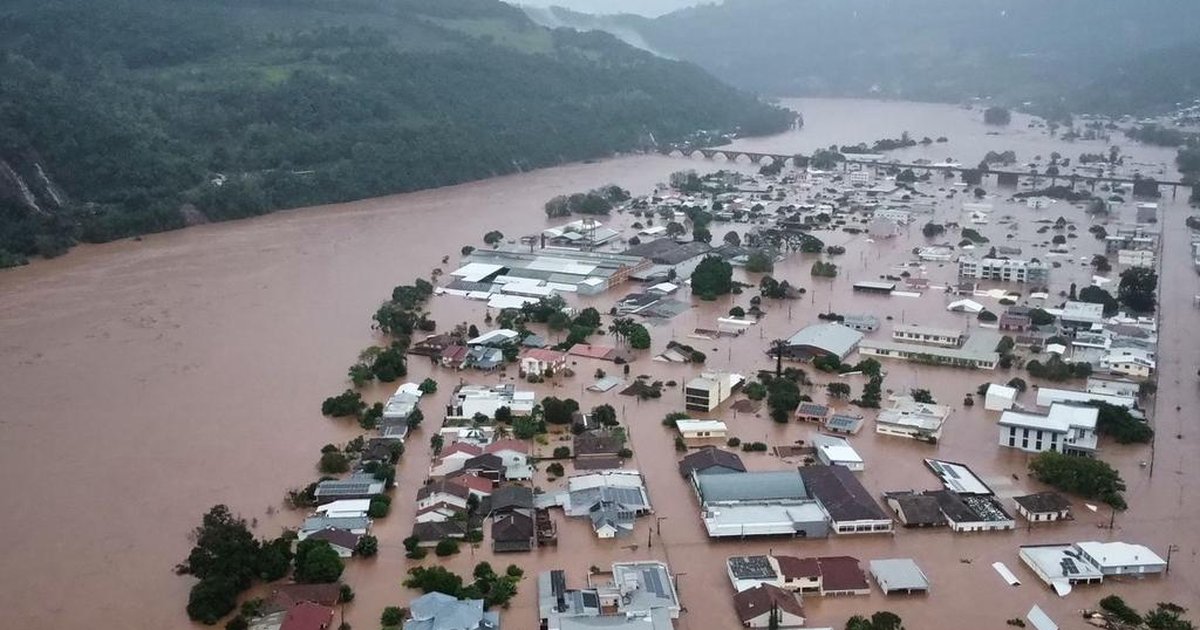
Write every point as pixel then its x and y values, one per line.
pixel 1003 270
pixel 1067 429
pixel 913 333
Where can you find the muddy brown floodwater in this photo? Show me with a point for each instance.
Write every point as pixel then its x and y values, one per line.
pixel 143 382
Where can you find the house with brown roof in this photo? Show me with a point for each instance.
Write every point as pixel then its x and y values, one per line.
pixel 710 461
pixel 477 486
pixel 767 606
pixel 454 357
pixel 539 361
pixel 442 491
pixel 452 458
pixel 826 575
pixel 286 596
pixel 308 616
pixel 1043 507
pixel 514 531
pixel 340 540
pixel 851 508
pixel 597 451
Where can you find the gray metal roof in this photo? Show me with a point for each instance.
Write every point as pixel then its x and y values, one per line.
pixel 752 486
pixel 835 339
pixel 898 574
pixel 438 611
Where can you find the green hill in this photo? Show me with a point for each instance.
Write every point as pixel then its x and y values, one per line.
pixel 1102 55
pixel 119 117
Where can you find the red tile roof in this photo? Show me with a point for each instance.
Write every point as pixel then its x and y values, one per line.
pixel 762 599
pixel 473 483
pixel 461 447
pixel 842 573
pixel 544 355
pixel 307 616
pixel 794 568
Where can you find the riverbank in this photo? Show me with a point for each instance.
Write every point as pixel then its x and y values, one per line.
pixel 187 369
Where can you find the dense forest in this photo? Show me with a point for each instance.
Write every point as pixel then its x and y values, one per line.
pixel 123 117
pixel 1105 56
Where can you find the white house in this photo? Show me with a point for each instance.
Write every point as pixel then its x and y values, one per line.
pixel 470 400
pixel 1136 257
pixel 914 333
pixel 345 508
pixel 999 397
pixel 515 456
pixel 1134 362
pixel 539 361
pixel 1066 428
pixel 835 450
pixel 701 429
pixel 1121 558
pixel 707 391
pixel 911 419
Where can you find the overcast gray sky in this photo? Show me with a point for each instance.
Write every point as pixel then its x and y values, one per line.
pixel 650 8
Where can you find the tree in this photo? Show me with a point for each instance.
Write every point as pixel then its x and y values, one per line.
pixel 1137 289
pixel 996 116
pixel 732 238
pixel 347 403
pixel 555 470
pixel 392 617
pixel 1039 317
pixel 317 562
pixel 333 463
pixel 884 620
pixel 434 579
pixel 605 414
pixel 702 235
pixel 1095 295
pixel 1101 264
pixel 556 411
pixel 503 415
pixel 1018 384
pixel 446 547
pixel 211 599
pixel 639 337
pixel 712 277
pixel 1117 607
pixel 1085 476
pixel 559 321
pixel 922 396
pixel 226 558
pixel 367 546
pixel 838 390
pixel 428 386
pixel 759 262
pixel 493 237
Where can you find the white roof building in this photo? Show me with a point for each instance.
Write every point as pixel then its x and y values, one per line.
pixel 1066 428
pixel 999 397
pixel 911 419
pixel 1047 396
pixel 701 429
pixel 835 450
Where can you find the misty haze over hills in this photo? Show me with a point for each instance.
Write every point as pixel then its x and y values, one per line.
pixel 1110 56
pixel 648 8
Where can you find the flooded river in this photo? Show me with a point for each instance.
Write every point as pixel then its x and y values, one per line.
pixel 142 382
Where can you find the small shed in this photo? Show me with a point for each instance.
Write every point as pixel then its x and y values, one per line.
pixel 999 397
pixel 1043 507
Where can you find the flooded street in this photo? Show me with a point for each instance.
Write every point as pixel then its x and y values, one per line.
pixel 143 382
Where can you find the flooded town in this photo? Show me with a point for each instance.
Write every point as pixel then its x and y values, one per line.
pixel 703 393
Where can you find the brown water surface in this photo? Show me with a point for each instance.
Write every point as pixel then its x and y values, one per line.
pixel 142 382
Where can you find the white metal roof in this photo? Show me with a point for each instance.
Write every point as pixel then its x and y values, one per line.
pixel 475 272
pixel 1120 554
pixel 700 425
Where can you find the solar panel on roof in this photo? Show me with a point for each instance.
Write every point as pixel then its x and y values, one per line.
pixel 653 582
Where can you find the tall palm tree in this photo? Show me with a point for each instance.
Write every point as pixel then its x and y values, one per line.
pixel 778 347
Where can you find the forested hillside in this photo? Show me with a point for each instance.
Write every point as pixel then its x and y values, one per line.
pixel 121 117
pixel 1100 55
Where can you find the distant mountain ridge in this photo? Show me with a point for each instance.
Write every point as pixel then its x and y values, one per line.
pixel 1074 54
pixel 122 117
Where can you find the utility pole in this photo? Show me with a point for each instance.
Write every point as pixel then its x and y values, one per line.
pixel 1170 548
